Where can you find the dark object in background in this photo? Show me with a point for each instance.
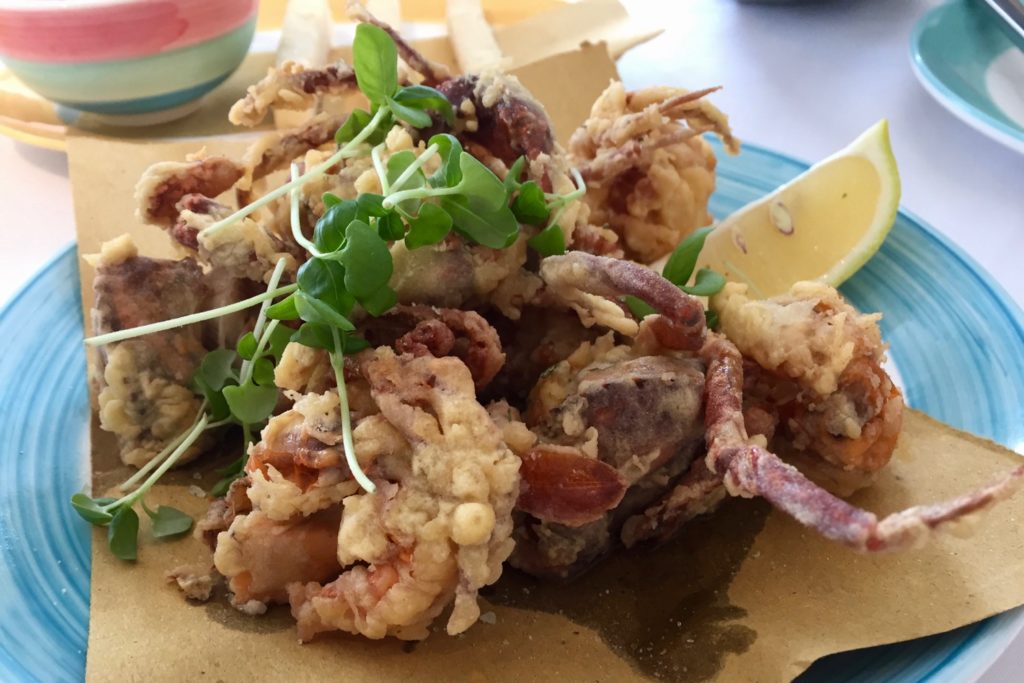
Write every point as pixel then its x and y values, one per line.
pixel 1009 14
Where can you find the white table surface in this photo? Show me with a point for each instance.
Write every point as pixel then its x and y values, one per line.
pixel 802 79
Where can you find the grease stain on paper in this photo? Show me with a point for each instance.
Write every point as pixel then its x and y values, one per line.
pixel 665 610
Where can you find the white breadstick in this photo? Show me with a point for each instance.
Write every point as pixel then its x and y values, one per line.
pixel 305 33
pixel 471 36
pixel 305 39
pixel 388 11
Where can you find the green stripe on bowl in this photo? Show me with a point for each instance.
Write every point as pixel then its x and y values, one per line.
pixel 135 79
pixel 144 105
pixel 952 47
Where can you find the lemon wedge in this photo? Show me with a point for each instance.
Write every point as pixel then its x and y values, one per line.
pixel 822 225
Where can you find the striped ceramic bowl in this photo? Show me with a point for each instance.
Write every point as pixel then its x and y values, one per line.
pixel 137 61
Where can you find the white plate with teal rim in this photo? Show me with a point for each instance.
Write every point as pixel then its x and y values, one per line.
pixel 948 323
pixel 963 57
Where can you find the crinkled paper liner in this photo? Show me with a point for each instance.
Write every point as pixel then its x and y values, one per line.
pixel 743 594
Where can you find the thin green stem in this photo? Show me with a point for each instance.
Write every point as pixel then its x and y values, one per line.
pixel 275 278
pixel 163 325
pixel 167 464
pixel 245 373
pixel 296 224
pixel 162 455
pixel 418 193
pixel 261 319
pixel 347 150
pixel 416 165
pixel 338 363
pixel 555 215
pixel 555 200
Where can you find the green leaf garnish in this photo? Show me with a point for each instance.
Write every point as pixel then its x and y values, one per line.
pixel 370 204
pixel 315 336
pixel 680 264
pixel 638 307
pixel 168 522
pixel 367 261
pixel 229 474
pixel 480 184
pixel 548 242
pixel 314 310
pixel 380 302
pixel 492 228
pixel 425 98
pixel 263 372
pixel 216 368
pixel 354 123
pixel 279 338
pixel 352 344
pixel 530 206
pixel 329 232
pixel 246 348
pixel 449 149
pixel 284 309
pixel 375 59
pixel 708 282
pixel 123 534
pixel 91 510
pixel 711 319
pixel 329 199
pixel 397 165
pixel 250 403
pixel 417 118
pixel 430 226
pixel 515 172
pixel 391 227
pixel 217 407
pixel 325 280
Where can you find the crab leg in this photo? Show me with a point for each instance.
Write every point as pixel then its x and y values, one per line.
pixel 577 277
pixel 750 470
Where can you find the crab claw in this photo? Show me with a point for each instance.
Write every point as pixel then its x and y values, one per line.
pixel 560 484
pixel 749 470
pixel 585 281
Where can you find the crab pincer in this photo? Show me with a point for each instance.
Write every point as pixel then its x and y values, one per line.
pixel 749 470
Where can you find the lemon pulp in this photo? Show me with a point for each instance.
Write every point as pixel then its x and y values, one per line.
pixel 823 225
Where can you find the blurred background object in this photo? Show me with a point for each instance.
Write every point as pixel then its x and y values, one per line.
pixel 1010 15
pixel 135 63
pixel 963 55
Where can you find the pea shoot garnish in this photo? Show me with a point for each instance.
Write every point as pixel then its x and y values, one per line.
pixel 678 270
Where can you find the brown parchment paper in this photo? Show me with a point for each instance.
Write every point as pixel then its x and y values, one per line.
pixel 742 595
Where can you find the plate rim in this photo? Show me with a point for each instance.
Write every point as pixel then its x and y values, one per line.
pixel 951 101
pixel 959 661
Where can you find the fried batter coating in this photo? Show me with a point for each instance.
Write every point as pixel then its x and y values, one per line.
pixel 144 398
pixel 649 177
pixel 275 151
pixel 810 334
pixel 166 183
pixel 441 531
pixel 290 86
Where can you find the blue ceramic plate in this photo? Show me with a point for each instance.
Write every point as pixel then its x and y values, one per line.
pixel 963 57
pixel 947 321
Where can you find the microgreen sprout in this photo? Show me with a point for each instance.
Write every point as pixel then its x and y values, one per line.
pixel 678 270
pixel 338 365
pixel 119 516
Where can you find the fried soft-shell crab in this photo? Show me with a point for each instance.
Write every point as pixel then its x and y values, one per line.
pixel 598 430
